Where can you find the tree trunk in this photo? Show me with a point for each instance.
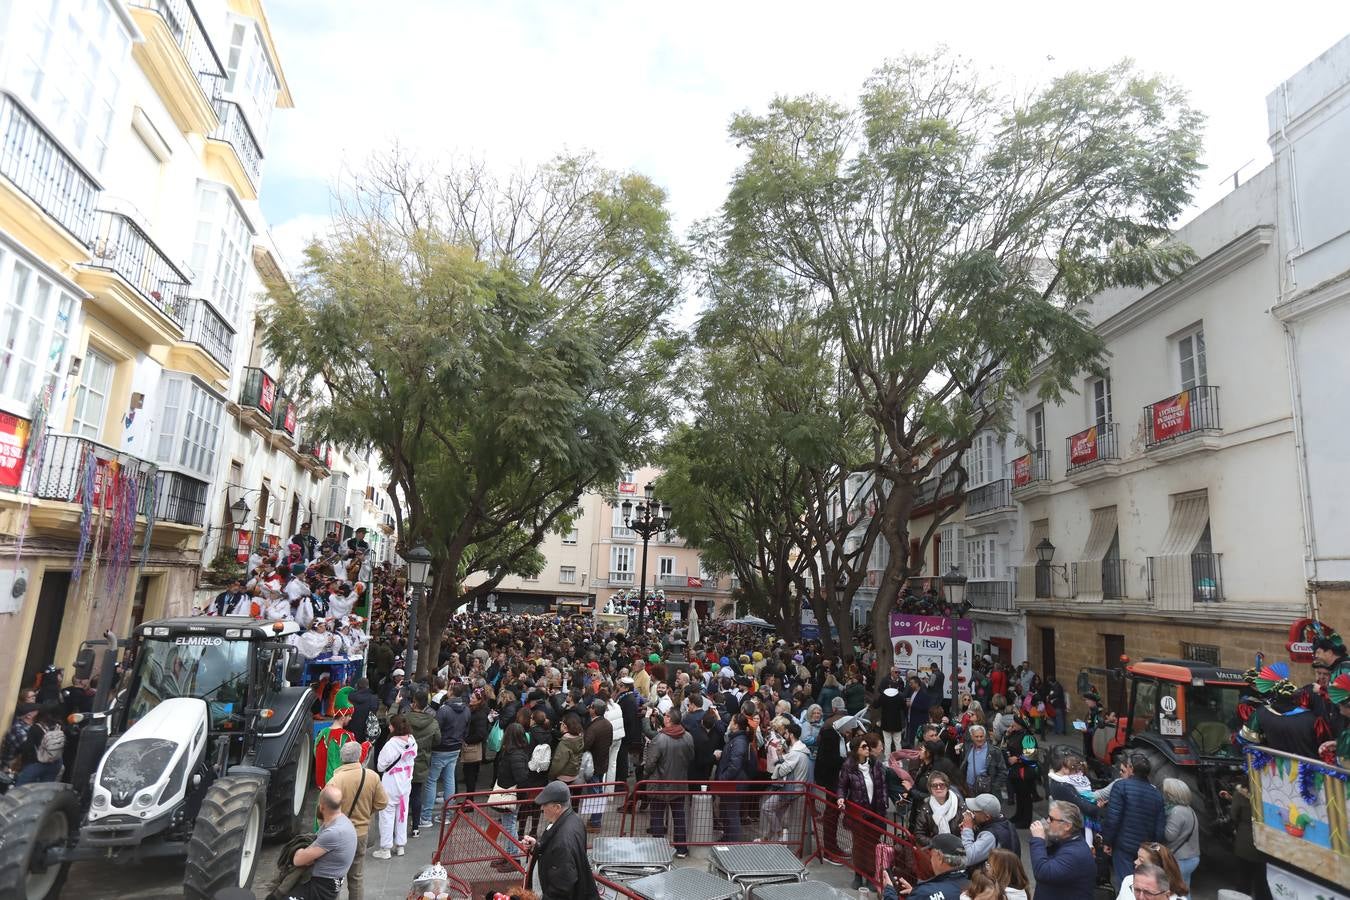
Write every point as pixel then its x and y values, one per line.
pixel 895 532
pixel 431 618
pixel 822 611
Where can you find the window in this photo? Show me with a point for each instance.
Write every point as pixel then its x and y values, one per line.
pixel 1191 353
pixel 980 459
pixel 189 430
pixel 34 326
pixel 666 565
pixel 91 398
pixel 951 549
pixel 534 577
pixel 567 574
pixel 220 247
pixel 621 559
pixel 1036 428
pixel 1201 653
pixel 250 76
pixel 70 69
pixel 571 536
pixel 982 557
pixel 1101 400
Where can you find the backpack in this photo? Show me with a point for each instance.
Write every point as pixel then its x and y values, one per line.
pixel 587 768
pixel 372 726
pixel 52 747
pixel 541 758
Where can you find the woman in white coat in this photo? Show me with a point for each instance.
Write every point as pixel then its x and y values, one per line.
pixel 396 768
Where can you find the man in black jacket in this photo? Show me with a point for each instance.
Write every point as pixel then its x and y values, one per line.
pixel 364 702
pixel 562 867
pixel 309 544
pixel 631 706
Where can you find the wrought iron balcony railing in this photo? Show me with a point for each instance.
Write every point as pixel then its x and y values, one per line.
pixel 209 330
pixel 121 246
pixel 1184 415
pixel 1090 447
pixel 234 130
pixel 35 163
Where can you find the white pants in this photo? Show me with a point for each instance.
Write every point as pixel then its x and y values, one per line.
pixel 613 760
pixel 394 821
pixel 892 741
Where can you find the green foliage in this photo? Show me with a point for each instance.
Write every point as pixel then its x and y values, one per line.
pixel 502 347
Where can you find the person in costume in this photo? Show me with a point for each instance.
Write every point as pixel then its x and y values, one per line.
pixel 328 746
pixel 1281 722
pixel 1339 691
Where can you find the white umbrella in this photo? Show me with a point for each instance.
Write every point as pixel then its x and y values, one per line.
pixel 691 636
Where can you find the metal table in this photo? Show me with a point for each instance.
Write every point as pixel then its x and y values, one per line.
pixel 684 884
pixel 632 856
pixel 797 890
pixel 756 863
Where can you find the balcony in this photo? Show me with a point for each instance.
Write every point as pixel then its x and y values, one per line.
pixel 622 578
pixel 1183 423
pixel 992 595
pixel 134 283
pixel 318 458
pixel 207 348
pixel 284 417
pixel 988 499
pixel 926 494
pixel 181 499
pixel 688 582
pixel 1092 454
pixel 233 150
pixel 1099 579
pixel 620 533
pixel 63 473
pixel 258 400
pixel 177 58
pixel 1031 474
pixel 47 198
pixel 1183 581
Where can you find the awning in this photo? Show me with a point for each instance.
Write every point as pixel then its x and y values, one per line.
pixel 1190 515
pixel 1101 534
pixel 1039 531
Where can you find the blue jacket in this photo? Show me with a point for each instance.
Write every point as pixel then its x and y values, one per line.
pixel 1134 816
pixel 946 886
pixel 1065 871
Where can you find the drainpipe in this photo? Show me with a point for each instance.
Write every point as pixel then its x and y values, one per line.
pixel 1301 454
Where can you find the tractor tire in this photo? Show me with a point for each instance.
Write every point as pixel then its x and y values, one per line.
pixel 288 792
pixel 227 837
pixel 32 818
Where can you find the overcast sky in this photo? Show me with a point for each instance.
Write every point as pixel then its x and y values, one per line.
pixel 651 86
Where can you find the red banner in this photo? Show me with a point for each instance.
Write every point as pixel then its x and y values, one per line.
pixel 13 446
pixel 691 581
pixel 1083 447
pixel 627 487
pixel 1172 416
pixel 241 547
pixel 1022 470
pixel 267 397
pixel 289 418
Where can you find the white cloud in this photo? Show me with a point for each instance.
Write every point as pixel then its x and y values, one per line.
pixel 651 86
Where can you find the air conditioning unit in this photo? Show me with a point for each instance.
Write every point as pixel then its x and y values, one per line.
pixel 13 588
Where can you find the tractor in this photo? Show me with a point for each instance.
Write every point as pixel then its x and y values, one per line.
pixel 1182 715
pixel 201 751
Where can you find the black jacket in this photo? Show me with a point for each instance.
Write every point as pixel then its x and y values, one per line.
pixel 364 702
pixel 513 769
pixel 453 717
pixel 564 870
pixel 632 718
pixel 478 725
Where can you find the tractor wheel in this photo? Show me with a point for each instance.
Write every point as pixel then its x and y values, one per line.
pixel 32 819
pixel 288 791
pixel 227 837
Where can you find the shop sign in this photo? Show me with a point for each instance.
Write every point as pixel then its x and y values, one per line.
pixel 13 446
pixel 1172 416
pixel 1083 447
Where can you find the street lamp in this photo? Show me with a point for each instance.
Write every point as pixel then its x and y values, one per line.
pixel 954 584
pixel 648 517
pixel 239 513
pixel 1045 551
pixel 419 565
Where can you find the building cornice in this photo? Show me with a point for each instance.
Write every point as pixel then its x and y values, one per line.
pixel 1314 300
pixel 1219 264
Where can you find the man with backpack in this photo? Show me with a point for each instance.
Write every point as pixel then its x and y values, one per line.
pixel 362 797
pixel 44 749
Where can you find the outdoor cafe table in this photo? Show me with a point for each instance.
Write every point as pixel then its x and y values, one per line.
pixel 684 884
pixel 755 863
pixel 797 890
pixel 632 855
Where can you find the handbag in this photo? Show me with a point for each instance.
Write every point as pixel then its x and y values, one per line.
pixel 501 798
pixel 472 753
pixel 494 738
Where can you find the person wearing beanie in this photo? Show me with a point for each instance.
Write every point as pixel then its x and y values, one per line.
pixel 562 867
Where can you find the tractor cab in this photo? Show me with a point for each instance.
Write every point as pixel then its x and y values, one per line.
pixel 1185 709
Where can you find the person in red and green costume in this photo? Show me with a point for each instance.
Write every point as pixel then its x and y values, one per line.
pixel 1339 691
pixel 328 746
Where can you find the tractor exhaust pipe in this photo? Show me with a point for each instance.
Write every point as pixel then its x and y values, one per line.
pixel 107 673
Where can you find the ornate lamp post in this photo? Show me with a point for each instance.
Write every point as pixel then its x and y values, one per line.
pixel 954 583
pixel 419 566
pixel 648 517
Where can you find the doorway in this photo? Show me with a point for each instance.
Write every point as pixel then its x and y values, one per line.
pixel 148 602
pixel 51 612
pixel 1047 653
pixel 1115 684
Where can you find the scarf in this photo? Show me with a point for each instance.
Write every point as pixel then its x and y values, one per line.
pixel 675 731
pixel 943 812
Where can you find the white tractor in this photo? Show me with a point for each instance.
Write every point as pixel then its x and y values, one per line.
pixel 202 751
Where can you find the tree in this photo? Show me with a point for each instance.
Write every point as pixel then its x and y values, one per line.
pixel 501 345
pixel 949 237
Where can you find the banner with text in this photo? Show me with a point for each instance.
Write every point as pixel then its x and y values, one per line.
pixel 1083 447
pixel 924 641
pixel 13 446
pixel 1022 470
pixel 1172 416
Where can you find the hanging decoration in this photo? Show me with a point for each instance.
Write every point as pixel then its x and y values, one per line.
pixel 151 510
pixel 88 481
pixel 32 459
pixel 125 491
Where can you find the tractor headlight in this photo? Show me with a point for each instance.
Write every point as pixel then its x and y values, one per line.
pixel 233 633
pixel 144 800
pixel 100 800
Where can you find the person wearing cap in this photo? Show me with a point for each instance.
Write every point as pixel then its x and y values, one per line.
pixel 1339 692
pixel 1330 650
pixel 328 746
pixel 948 859
pixel 363 796
pixel 984 828
pixel 891 703
pixel 562 866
